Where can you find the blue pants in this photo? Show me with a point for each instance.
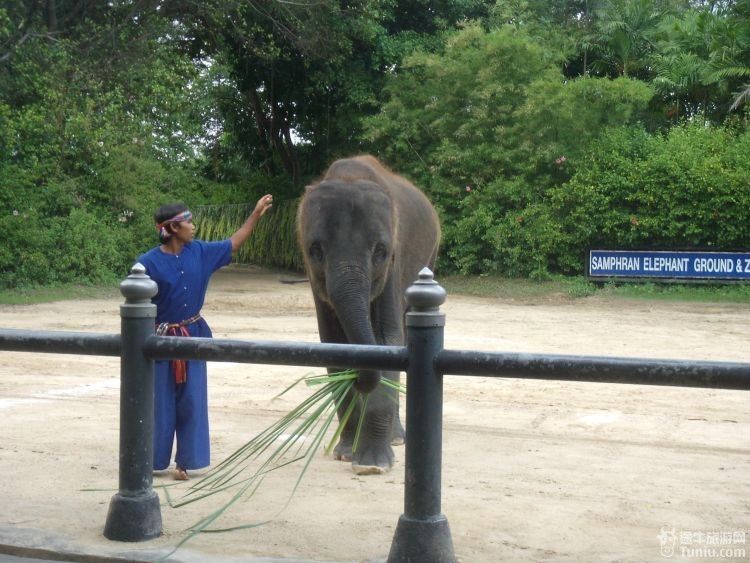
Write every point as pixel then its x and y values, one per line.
pixel 181 410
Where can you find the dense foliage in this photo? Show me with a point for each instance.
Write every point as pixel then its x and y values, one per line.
pixel 537 128
pixel 101 120
pixel 685 188
pixel 488 141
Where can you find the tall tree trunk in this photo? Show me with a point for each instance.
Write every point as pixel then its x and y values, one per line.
pixel 261 124
pixel 293 170
pixel 52 15
pixel 275 136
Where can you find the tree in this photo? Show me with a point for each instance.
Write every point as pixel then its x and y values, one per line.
pixel 702 56
pixel 734 62
pixel 626 30
pixel 299 76
pixel 96 127
pixel 487 127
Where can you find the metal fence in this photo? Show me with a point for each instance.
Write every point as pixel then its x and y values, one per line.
pixel 422 533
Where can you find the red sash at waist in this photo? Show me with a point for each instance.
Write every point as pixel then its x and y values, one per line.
pixel 178 329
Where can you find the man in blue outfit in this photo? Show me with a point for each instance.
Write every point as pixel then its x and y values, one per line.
pixel 181 268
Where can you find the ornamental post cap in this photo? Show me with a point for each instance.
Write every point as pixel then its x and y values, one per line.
pixel 138 286
pixel 425 293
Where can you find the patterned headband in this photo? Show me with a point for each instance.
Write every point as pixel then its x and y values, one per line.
pixel 183 216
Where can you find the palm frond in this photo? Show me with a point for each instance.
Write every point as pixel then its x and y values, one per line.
pixel 303 428
pixel 741 98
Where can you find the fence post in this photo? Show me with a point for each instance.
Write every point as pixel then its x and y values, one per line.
pixel 422 533
pixel 134 512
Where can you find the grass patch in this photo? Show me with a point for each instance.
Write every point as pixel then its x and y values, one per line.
pixel 708 293
pixel 48 294
pixel 504 288
pixel 579 287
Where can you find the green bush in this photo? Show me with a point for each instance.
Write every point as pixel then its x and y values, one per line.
pixel 24 256
pixel 86 228
pixel 686 188
pixel 42 251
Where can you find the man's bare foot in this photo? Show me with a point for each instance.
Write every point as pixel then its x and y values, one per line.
pixel 180 474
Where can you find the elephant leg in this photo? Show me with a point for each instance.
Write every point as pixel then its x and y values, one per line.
pixel 387 318
pixel 373 454
pixel 398 434
pixel 343 450
pixel 330 330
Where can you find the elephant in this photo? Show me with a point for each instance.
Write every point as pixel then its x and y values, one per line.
pixel 365 233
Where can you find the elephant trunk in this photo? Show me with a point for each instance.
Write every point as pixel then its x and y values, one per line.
pixel 350 297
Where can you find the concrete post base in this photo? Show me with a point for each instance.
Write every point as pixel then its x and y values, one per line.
pixel 422 541
pixel 133 518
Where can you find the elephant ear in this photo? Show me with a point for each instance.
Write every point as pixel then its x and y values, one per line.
pixel 311 187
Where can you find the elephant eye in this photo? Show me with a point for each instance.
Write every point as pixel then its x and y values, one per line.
pixel 316 251
pixel 380 252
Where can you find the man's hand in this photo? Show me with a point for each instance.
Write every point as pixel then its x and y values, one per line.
pixel 264 204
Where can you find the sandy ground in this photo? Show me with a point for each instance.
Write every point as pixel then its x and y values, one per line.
pixel 533 470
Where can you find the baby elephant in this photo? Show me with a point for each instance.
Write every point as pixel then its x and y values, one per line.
pixel 365 234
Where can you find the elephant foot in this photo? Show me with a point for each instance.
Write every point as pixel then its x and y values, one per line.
pixel 343 451
pixel 373 460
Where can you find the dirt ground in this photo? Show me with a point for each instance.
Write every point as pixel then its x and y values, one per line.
pixel 533 470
